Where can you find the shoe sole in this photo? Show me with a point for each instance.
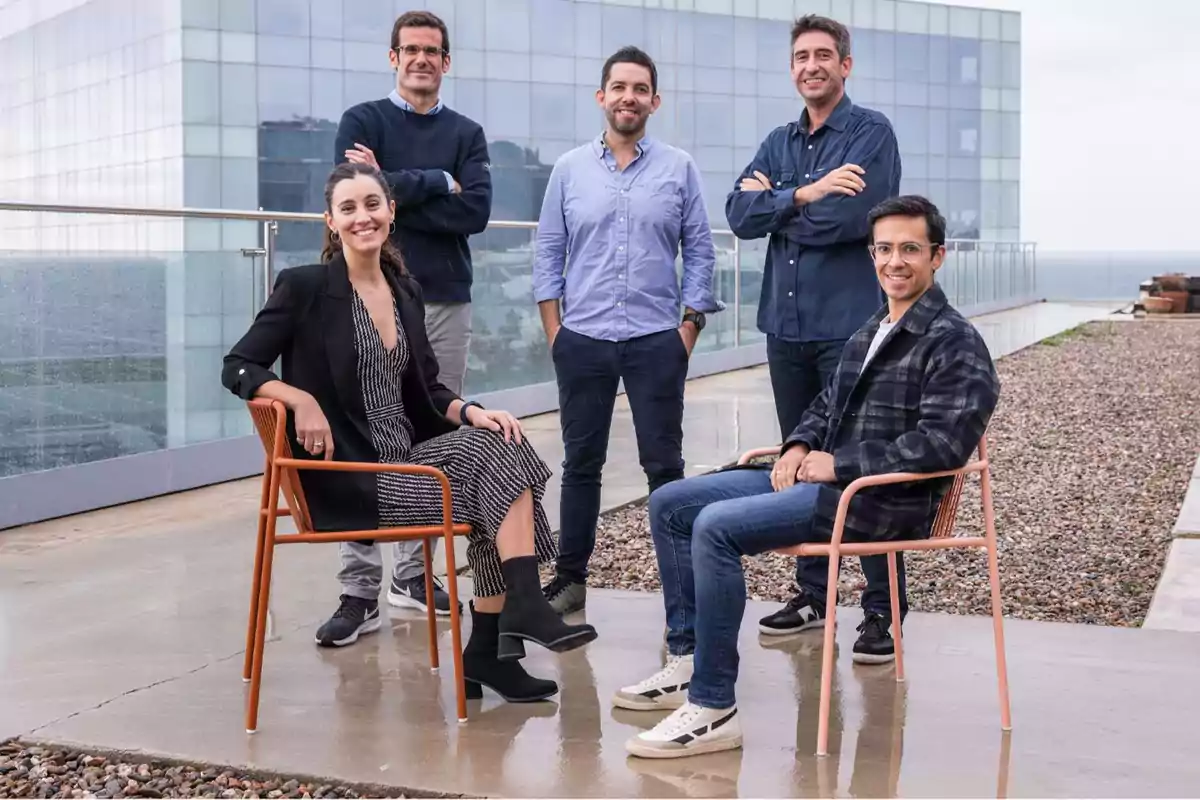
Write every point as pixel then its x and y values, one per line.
pixel 404 601
pixel 562 645
pixel 631 702
pixel 368 626
pixel 479 693
pixel 808 626
pixel 873 658
pixel 635 748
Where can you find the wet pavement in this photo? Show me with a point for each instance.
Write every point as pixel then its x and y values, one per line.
pixel 123 629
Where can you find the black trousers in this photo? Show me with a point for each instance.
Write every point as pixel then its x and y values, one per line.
pixel 654 369
pixel 799 372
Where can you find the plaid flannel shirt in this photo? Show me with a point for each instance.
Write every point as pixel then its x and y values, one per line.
pixel 921 405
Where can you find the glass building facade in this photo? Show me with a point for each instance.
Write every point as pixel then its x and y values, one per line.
pixel 112 327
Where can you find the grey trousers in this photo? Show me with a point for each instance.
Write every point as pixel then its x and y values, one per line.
pixel 448 326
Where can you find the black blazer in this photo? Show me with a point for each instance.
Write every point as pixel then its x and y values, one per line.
pixel 308 324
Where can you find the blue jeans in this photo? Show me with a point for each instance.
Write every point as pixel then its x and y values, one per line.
pixel 702 527
pixel 799 371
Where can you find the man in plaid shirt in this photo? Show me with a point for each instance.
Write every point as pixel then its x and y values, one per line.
pixel 913 392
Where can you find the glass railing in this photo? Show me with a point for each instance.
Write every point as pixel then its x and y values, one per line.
pixel 114 322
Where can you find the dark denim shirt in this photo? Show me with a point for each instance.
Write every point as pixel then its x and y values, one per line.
pixel 819 281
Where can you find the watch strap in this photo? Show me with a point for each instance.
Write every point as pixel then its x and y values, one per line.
pixel 462 412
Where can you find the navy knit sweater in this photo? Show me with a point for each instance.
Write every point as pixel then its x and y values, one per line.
pixel 432 223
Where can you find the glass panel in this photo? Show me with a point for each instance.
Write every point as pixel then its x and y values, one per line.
pixel 713 43
pixel 111 348
pixel 912 129
pixel 1010 26
pixel 1010 204
pixel 507 25
pixel 286 17
pixel 752 257
pixel 714 126
pixel 912 18
pixel 284 93
pixel 1010 135
pixel 909 66
pixel 1011 66
pixel 939 59
pixel 553 111
pixel 553 27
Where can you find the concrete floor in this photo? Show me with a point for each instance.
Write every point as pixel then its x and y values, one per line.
pixel 124 628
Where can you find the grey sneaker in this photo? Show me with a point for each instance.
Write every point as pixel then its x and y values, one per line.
pixel 565 595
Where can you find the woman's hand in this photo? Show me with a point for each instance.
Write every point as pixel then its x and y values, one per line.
pixel 496 421
pixel 312 429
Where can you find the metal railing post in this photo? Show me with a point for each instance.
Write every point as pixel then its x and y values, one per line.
pixel 270 228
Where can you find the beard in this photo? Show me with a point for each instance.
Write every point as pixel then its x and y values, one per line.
pixel 627 126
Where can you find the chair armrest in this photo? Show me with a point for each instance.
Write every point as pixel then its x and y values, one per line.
pixel 758 452
pixel 866 481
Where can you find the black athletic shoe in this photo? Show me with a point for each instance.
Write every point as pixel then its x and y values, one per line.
pixel 353 618
pixel 803 612
pixel 875 644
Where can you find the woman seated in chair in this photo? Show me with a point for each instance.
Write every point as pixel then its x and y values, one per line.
pixel 360 382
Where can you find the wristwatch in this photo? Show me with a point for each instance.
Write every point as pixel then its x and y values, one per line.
pixel 696 318
pixel 462 412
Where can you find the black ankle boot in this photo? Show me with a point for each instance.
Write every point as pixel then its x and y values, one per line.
pixel 528 614
pixel 482 668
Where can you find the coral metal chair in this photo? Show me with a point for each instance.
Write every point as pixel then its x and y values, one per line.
pixel 280 475
pixel 940 538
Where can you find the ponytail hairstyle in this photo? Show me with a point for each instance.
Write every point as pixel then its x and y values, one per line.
pixel 389 256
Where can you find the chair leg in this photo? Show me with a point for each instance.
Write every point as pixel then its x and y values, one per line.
pixel 831 598
pixel 993 557
pixel 894 583
pixel 998 624
pixel 430 609
pixel 255 582
pixel 460 687
pixel 264 602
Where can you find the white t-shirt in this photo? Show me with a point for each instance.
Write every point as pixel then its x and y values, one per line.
pixel 885 328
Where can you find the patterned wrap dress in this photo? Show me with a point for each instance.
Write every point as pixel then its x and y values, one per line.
pixel 486 473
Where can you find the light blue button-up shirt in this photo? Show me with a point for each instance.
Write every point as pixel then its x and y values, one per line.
pixel 400 102
pixel 607 241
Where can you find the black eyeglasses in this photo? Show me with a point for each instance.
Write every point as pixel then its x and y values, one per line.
pixel 909 251
pixel 413 50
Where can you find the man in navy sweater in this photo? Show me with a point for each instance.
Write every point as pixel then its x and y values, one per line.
pixel 436 161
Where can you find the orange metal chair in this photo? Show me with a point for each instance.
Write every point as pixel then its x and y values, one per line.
pixel 941 538
pixel 280 475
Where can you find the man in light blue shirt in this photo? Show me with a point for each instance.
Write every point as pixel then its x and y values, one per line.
pixel 617 212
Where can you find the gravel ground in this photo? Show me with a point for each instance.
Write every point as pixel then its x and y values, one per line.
pixel 1092 447
pixel 28 770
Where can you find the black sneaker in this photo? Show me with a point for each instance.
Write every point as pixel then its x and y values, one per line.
pixel 353 618
pixel 803 612
pixel 411 594
pixel 875 644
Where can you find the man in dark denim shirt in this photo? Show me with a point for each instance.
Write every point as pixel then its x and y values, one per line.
pixel 810 188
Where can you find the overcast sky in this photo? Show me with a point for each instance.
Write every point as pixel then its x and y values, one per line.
pixel 1110 121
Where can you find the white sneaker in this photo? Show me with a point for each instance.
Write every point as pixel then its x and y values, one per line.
pixel 665 689
pixel 689 731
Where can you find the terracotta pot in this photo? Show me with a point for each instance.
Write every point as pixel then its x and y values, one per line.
pixel 1179 301
pixel 1158 305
